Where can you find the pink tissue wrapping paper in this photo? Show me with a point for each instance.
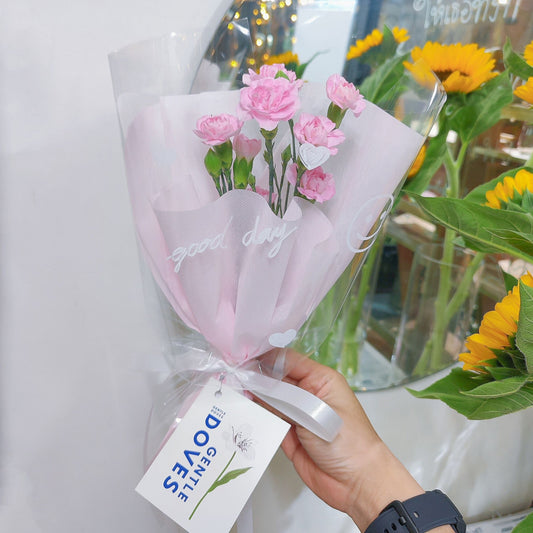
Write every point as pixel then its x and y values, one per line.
pixel 237 291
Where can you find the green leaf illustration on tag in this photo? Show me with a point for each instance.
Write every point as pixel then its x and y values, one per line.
pixel 228 477
pixel 225 477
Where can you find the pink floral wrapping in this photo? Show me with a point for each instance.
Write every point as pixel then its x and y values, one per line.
pixel 244 278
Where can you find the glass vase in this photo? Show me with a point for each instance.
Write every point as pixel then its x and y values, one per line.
pixel 437 312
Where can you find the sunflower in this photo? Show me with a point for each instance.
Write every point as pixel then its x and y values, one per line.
pixel 418 162
pixel 400 34
pixel 373 40
pixel 497 330
pixel 286 58
pixel 362 46
pixel 528 54
pixel 525 91
pixel 510 190
pixel 461 68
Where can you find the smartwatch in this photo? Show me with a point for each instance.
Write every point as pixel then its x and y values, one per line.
pixel 418 515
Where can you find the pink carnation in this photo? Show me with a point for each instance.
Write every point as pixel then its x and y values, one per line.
pixel 344 94
pixel 265 193
pixel 270 71
pixel 215 130
pixel 269 101
pixel 317 185
pixel 292 173
pixel 245 147
pixel 319 131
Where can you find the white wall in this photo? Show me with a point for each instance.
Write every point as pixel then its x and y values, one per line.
pixel 73 321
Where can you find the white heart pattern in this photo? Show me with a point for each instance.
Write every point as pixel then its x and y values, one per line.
pixel 313 156
pixel 280 340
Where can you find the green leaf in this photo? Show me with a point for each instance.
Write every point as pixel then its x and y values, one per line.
pixel 477 195
pixel 525 526
pixel 518 239
pixel 483 108
pixel 500 372
pixel 386 76
pixel 509 280
pixel 229 477
pixel 496 389
pixel 435 151
pixel 388 45
pixel 527 201
pixel 516 63
pixel 451 390
pixel 481 227
pixel 300 69
pixel 524 335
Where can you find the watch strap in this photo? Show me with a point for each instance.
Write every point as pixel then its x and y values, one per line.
pixel 418 515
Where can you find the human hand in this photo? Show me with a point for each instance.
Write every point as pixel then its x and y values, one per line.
pixel 356 473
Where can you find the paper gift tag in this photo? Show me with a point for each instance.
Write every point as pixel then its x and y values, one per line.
pixel 206 471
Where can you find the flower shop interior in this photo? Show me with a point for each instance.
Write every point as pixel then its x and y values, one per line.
pixel 439 295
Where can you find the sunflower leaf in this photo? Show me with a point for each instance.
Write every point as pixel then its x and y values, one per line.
pixel 518 239
pixel 435 151
pixel 499 388
pixel 483 108
pixel 505 359
pixel 516 63
pixel 386 76
pixel 451 390
pixel 499 372
pixel 527 201
pixel 524 526
pixel 524 334
pixel 509 280
pixel 483 228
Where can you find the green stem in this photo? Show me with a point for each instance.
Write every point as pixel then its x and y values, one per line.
pixel 269 153
pixel 461 293
pixel 350 349
pixel 291 126
pixel 213 485
pixel 443 314
pixel 440 325
pixel 529 162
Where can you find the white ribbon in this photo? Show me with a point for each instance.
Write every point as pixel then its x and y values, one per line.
pixel 295 403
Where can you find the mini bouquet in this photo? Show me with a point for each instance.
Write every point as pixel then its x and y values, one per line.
pixel 249 205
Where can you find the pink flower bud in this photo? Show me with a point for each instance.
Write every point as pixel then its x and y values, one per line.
pixel 344 94
pixel 245 147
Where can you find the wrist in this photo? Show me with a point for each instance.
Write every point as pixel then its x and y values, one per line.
pixel 384 480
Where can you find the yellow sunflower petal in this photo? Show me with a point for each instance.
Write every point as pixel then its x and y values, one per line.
pixel 400 34
pixel 285 58
pixel 418 162
pixel 525 91
pixel 492 200
pixel 527 279
pixel 495 321
pixel 490 340
pixel 362 46
pixel 528 54
pixel 476 356
pixel 497 328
